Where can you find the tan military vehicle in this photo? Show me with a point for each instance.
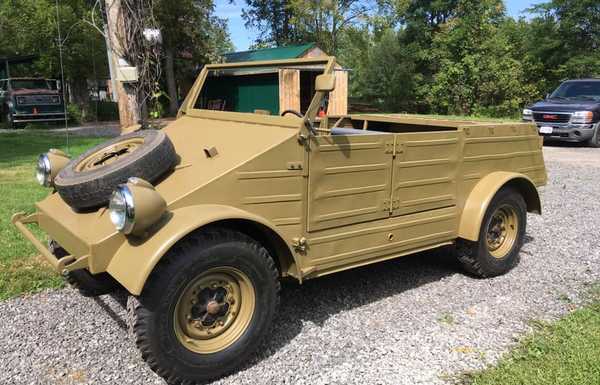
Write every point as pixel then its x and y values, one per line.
pixel 200 221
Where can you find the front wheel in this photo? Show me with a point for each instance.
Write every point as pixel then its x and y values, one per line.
pixel 500 237
pixel 594 141
pixel 206 307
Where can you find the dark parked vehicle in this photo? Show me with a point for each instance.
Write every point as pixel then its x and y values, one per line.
pixel 26 100
pixel 571 113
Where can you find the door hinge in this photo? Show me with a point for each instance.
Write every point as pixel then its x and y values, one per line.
pixel 391 205
pixel 394 148
pixel 299 244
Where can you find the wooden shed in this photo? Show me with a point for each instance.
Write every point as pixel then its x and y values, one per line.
pixel 293 88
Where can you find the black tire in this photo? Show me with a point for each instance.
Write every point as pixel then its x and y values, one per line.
pixel 476 257
pixel 91 188
pixel 594 141
pixel 88 285
pixel 10 124
pixel 155 309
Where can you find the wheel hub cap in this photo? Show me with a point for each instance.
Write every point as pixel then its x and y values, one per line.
pixel 214 310
pixel 502 231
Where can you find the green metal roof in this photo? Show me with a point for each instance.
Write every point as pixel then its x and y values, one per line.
pixel 288 52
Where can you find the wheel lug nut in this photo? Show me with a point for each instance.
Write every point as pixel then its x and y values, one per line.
pixel 198 324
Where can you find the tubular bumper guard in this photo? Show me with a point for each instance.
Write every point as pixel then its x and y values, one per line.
pixel 63 265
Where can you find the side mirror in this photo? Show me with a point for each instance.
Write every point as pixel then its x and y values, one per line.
pixel 325 83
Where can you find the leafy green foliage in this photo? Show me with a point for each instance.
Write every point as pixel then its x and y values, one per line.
pixel 445 56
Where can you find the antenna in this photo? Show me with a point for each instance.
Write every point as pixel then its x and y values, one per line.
pixel 62 74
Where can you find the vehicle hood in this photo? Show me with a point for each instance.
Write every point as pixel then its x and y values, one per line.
pixel 553 105
pixel 235 143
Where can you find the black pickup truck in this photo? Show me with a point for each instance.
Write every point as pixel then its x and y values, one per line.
pixel 28 100
pixel 571 113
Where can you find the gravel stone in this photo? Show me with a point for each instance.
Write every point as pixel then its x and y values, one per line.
pixel 415 320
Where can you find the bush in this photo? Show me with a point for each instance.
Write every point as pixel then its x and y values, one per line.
pixel 75 113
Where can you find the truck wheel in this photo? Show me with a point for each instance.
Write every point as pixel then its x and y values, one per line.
pixel 500 237
pixel 87 181
pixel 594 141
pixel 10 124
pixel 206 306
pixel 88 285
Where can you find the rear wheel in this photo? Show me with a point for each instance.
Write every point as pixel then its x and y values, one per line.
pixel 500 237
pixel 206 307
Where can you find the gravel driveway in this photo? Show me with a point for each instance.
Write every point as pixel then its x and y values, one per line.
pixel 417 320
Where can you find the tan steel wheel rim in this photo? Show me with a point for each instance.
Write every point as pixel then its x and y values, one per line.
pixel 214 310
pixel 110 154
pixel 502 231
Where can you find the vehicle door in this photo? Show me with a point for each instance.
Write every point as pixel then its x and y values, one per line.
pixel 425 171
pixel 349 179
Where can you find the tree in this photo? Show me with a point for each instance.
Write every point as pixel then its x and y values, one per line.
pixel 191 30
pixel 323 22
pixel 31 28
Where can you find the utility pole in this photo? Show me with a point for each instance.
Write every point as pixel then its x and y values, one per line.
pixel 121 72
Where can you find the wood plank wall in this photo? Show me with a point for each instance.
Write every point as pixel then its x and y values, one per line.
pixel 289 90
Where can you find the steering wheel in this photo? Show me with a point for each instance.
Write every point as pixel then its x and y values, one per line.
pixel 292 112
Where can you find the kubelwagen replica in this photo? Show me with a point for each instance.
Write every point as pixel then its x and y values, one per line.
pixel 200 221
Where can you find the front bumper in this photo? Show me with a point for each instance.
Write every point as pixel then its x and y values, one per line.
pixel 61 265
pixel 39 117
pixel 568 132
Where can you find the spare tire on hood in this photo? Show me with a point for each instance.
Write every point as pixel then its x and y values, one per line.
pixel 89 180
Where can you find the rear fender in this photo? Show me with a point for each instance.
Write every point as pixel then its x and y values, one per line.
pixel 135 259
pixel 484 191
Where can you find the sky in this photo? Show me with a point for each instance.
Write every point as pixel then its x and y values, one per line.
pixel 242 37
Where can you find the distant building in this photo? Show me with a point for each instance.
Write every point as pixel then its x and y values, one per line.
pixel 293 88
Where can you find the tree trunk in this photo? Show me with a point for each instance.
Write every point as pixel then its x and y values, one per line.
pixel 171 85
pixel 129 111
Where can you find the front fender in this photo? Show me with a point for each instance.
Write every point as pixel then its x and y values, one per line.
pixel 135 259
pixel 482 194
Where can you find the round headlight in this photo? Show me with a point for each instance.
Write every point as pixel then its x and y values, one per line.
pixel 43 170
pixel 121 209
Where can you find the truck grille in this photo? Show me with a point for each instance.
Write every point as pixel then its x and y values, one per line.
pixel 551 117
pixel 30 100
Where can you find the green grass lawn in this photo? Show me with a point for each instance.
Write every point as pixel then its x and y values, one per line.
pixel 563 353
pixel 20 270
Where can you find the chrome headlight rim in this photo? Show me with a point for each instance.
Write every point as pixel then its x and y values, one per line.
pixel 43 170
pixel 527 114
pixel 126 223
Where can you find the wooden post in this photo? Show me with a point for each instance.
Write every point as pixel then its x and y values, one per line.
pixel 129 111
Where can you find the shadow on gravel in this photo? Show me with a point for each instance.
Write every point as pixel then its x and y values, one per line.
pixel 318 299
pixel 121 298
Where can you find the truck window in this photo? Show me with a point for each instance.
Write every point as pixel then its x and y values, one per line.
pixel 18 84
pixel 578 90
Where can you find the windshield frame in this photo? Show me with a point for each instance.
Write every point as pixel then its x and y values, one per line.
pixel 187 106
pixel 555 95
pixel 12 82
